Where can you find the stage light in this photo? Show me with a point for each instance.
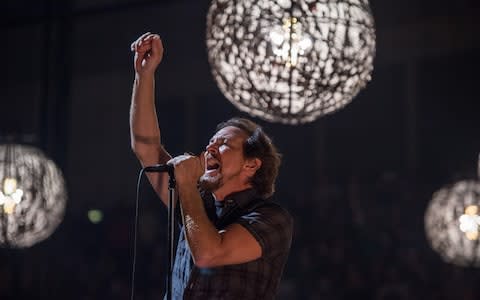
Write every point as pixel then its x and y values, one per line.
pixel 95 216
pixel 452 222
pixel 32 196
pixel 290 61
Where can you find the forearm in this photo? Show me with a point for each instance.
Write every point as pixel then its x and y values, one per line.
pixel 144 129
pixel 202 236
pixel 145 132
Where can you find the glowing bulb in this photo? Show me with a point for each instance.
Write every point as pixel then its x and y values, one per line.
pixel 470 222
pixel 471 210
pixel 472 235
pixel 9 185
pixel 467 223
pixel 11 195
pixel 9 206
pixel 289 41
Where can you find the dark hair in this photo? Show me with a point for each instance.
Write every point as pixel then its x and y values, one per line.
pixel 258 145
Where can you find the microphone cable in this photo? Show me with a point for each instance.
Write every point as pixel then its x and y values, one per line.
pixel 156 168
pixel 135 233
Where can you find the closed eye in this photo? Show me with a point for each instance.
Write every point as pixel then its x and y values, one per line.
pixel 219 141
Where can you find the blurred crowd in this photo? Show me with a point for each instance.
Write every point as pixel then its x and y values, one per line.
pixel 353 240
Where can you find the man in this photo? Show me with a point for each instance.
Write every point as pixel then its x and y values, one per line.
pixel 234 240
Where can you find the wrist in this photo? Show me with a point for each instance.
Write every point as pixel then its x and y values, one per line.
pixel 187 189
pixel 144 76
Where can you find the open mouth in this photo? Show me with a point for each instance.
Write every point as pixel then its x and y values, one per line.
pixel 212 166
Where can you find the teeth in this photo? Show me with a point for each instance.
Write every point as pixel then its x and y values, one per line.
pixel 213 166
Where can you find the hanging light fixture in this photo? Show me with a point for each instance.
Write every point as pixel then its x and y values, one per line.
pixel 32 196
pixel 290 61
pixel 452 222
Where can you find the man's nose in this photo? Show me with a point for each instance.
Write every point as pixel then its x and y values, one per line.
pixel 212 147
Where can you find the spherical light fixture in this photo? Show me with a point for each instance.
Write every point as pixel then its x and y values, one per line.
pixel 290 61
pixel 452 222
pixel 32 196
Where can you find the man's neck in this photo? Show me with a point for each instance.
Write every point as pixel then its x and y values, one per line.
pixel 221 194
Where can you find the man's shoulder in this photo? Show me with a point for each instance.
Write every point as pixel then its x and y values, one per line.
pixel 269 204
pixel 271 225
pixel 271 210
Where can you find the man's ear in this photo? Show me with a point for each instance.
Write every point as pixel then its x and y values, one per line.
pixel 252 165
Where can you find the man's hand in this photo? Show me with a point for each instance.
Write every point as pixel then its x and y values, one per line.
pixel 148 50
pixel 188 168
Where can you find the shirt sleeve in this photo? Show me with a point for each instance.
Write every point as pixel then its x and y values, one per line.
pixel 272 227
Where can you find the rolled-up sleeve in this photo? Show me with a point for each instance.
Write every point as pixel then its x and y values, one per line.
pixel 272 227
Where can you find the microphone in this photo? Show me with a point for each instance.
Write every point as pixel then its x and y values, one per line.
pixel 159 168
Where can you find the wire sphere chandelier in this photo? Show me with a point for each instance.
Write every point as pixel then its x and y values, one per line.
pixel 290 61
pixel 452 222
pixel 32 196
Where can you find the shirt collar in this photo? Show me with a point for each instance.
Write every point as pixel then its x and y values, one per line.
pixel 241 199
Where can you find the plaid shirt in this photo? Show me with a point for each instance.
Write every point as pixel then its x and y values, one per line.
pixel 271 226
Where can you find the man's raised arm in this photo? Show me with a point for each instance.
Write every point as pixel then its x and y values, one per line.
pixel 144 129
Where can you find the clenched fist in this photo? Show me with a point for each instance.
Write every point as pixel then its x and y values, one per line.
pixel 188 168
pixel 148 50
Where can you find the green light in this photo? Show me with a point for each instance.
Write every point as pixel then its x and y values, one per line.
pixel 95 216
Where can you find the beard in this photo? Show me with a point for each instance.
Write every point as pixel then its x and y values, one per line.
pixel 210 183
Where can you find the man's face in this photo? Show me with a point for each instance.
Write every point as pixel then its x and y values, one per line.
pixel 224 162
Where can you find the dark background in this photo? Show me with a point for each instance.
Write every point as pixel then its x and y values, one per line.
pixel 357 182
